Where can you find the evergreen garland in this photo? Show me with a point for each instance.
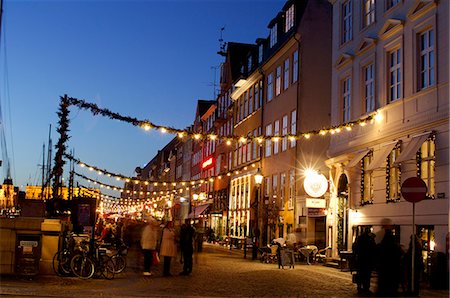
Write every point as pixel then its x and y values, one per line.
pixel 63 129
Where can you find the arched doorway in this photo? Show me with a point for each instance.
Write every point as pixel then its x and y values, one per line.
pixel 342 213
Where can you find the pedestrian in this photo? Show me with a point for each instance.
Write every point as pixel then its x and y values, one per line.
pixel 389 264
pixel 168 247
pixel 148 244
pixel 418 266
pixel 364 250
pixel 187 235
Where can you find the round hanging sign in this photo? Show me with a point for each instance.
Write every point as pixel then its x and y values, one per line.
pixel 315 185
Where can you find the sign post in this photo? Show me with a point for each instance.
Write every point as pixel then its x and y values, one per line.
pixel 413 190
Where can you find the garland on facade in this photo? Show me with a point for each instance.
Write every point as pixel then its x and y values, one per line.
pixel 182 133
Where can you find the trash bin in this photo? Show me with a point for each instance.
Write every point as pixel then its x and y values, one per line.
pixel 28 254
pixel 439 271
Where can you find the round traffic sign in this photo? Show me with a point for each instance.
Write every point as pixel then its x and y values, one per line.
pixel 414 189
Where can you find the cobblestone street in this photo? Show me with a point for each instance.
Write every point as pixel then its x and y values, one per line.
pixel 217 272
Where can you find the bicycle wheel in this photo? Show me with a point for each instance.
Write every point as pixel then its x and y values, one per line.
pixel 82 266
pixel 107 267
pixel 120 263
pixel 61 263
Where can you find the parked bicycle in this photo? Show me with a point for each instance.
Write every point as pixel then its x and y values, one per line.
pixel 81 264
pixel 119 256
pixel 61 259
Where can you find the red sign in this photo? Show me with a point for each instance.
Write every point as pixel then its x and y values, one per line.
pixel 414 189
pixel 207 163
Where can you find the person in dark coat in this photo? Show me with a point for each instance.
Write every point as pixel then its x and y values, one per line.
pixel 364 250
pixel 389 265
pixel 187 234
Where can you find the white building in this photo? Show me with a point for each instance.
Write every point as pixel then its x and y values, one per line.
pixel 390 62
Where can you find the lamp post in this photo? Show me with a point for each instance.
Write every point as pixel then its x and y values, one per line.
pixel 258 180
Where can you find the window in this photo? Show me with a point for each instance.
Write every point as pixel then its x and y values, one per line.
pixel 393 176
pixel 368 12
pixel 426 158
pixel 295 67
pixel 291 189
pixel 278 81
pixel 347 20
pixel 284 131
pixel 249 150
pixel 245 104
pixel 346 99
pixel 250 100
pixel 275 186
pixel 254 145
pixel 369 87
pixel 395 75
pixel 249 64
pixel 282 189
pixel 260 53
pixel 266 186
pixel 391 3
pixel 286 74
pixel 366 180
pixel 289 18
pixel 273 35
pixel 269 87
pixel 293 126
pixel 276 132
pixel 426 59
pixel 268 142
pixel 256 97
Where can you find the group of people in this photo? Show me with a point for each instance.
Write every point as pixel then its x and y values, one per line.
pixel 392 264
pixel 169 243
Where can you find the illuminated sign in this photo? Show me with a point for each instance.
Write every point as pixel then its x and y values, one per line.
pixel 207 163
pixel 315 203
pixel 315 184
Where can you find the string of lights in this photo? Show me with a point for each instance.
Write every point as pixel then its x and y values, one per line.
pixel 177 184
pixel 183 133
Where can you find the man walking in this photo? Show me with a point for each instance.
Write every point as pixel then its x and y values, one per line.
pixel 187 233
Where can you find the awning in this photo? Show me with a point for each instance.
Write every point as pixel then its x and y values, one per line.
pixel 199 210
pixel 380 156
pixel 409 153
pixel 357 158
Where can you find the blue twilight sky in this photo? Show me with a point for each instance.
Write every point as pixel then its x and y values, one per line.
pixel 144 58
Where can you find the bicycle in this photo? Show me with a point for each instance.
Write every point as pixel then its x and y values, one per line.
pixel 81 264
pixel 103 264
pixel 61 259
pixel 119 257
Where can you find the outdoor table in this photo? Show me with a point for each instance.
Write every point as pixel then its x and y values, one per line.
pixel 307 250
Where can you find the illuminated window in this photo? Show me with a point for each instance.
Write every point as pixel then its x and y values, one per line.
pixel 368 12
pixel 366 180
pixel 291 189
pixel 426 158
pixel 426 59
pixel 282 189
pixel 273 35
pixel 346 99
pixel 369 87
pixel 393 176
pixel 276 132
pixel 395 75
pixel 275 186
pixel 278 81
pixel 286 74
pixel 289 18
pixel 284 132
pixel 268 141
pixel 269 87
pixel 293 126
pixel 346 21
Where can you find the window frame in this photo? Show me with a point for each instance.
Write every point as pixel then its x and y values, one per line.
pixel 369 85
pixel 290 14
pixel 346 98
pixel 346 21
pixel 367 191
pixel 429 160
pixel 278 80
pixel 368 13
pixel 396 69
pixel 270 87
pixel 393 175
pixel 430 71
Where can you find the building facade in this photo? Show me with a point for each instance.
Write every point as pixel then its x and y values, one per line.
pixel 391 63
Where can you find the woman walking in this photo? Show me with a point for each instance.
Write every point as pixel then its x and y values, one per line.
pixel 168 247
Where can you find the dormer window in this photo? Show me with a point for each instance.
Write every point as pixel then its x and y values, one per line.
pixel 273 35
pixel 261 52
pixel 289 18
pixel 249 63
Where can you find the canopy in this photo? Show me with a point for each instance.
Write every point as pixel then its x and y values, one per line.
pixel 357 158
pixel 409 153
pixel 199 210
pixel 380 156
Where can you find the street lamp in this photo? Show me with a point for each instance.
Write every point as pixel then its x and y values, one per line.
pixel 258 180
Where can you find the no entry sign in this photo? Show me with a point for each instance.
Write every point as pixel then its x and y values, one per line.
pixel 414 189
